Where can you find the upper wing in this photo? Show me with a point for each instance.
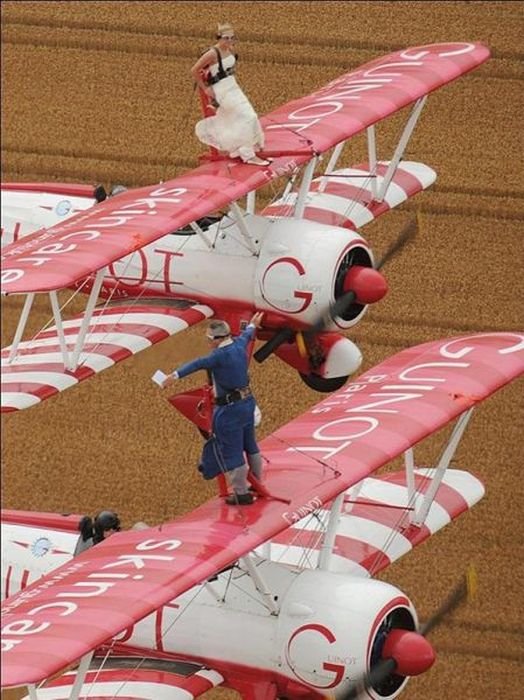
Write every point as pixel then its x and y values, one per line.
pixel 363 97
pixel 38 370
pixel 66 253
pixel 312 459
pixel 60 256
pixel 27 207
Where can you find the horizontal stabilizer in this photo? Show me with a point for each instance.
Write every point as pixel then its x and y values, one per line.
pixel 115 333
pixel 374 528
pixel 346 197
pixel 33 544
pixel 134 683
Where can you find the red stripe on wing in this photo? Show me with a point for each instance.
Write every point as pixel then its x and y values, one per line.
pixel 447 497
pixel 115 352
pixel 137 327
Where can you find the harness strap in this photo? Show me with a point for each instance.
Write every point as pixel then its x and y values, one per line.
pixel 233 396
pixel 222 72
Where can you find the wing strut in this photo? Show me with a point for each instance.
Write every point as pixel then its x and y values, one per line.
pixel 372 158
pixel 196 228
pixel 401 147
pixel 81 673
pixel 260 584
pixel 241 223
pixel 442 465
pixel 331 165
pixel 251 202
pixel 80 676
pixel 304 188
pixel 70 360
pixel 328 541
pixel 28 303
pixel 409 461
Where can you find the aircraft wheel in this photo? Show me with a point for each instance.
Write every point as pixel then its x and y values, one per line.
pixel 314 381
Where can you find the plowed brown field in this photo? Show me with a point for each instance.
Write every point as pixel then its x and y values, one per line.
pixel 100 92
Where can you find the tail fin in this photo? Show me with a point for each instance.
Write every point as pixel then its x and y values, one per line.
pixel 196 406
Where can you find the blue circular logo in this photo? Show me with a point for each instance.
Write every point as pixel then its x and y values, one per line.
pixel 41 547
pixel 63 207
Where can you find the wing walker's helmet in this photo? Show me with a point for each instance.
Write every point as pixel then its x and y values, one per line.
pixel 218 329
pixel 105 520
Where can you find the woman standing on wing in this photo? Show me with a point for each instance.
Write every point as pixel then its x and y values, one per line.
pixel 235 128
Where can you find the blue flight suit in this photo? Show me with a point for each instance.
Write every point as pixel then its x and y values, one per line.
pixel 234 423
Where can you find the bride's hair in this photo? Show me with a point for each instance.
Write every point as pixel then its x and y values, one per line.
pixel 224 28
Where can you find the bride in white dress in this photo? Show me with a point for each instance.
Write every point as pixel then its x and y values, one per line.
pixel 235 128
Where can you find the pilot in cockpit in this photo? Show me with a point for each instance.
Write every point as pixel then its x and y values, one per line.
pixel 105 524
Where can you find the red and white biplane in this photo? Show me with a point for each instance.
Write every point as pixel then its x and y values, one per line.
pixel 277 599
pixel 162 259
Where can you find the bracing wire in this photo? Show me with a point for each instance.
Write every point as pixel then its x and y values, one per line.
pixel 142 660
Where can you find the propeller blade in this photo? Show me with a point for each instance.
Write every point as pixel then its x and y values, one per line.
pixel 380 671
pixel 264 351
pixel 407 234
pixel 464 590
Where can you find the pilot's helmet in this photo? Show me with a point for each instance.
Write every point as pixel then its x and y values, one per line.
pixel 105 520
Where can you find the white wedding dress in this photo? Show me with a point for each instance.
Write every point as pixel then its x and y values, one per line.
pixel 235 128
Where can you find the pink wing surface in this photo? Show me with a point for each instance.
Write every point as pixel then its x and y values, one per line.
pixel 311 460
pixel 37 372
pixel 64 254
pixel 363 97
pixel 57 257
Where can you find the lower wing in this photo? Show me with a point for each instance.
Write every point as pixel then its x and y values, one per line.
pixel 134 679
pixel 38 370
pixel 376 525
pixel 348 197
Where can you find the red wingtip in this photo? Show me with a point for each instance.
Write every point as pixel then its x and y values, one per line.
pixel 412 652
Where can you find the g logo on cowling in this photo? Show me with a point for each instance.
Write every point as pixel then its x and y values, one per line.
pixel 326 633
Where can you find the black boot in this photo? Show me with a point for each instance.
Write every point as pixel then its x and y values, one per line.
pixel 240 499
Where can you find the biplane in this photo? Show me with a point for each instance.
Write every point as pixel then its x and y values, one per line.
pixel 165 257
pixel 279 599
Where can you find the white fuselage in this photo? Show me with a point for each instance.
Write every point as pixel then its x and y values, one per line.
pixel 285 266
pixel 313 627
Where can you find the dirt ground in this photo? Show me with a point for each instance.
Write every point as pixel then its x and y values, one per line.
pixel 100 92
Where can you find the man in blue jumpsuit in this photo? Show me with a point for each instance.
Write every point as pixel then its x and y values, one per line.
pixel 234 411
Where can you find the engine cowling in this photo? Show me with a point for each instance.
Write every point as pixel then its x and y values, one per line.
pixel 304 267
pixel 329 630
pixel 339 633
